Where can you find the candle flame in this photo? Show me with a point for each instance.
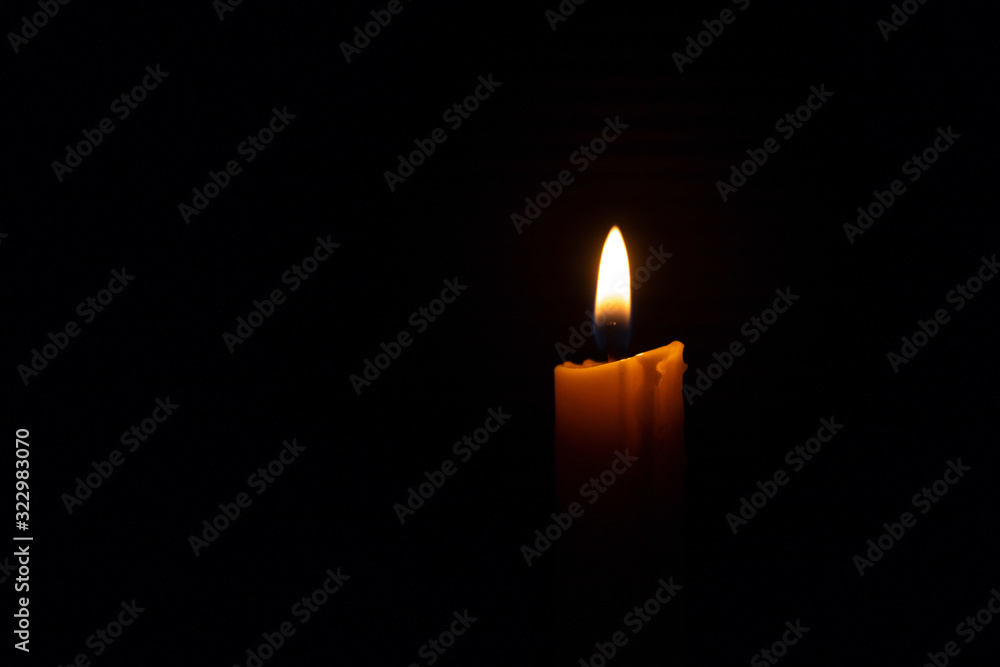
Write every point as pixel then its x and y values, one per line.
pixel 613 303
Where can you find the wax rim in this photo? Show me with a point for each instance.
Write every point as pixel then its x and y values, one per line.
pixel 590 363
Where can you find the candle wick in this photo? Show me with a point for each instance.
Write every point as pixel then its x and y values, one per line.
pixel 612 341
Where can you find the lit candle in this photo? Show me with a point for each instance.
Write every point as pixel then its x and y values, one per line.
pixel 625 411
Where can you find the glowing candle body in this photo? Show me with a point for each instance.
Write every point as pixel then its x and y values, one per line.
pixel 621 417
pixel 633 404
pixel 620 459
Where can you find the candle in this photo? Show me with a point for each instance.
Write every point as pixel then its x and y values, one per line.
pixel 625 411
pixel 619 429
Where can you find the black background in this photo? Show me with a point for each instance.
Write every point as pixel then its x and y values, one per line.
pixel 495 346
